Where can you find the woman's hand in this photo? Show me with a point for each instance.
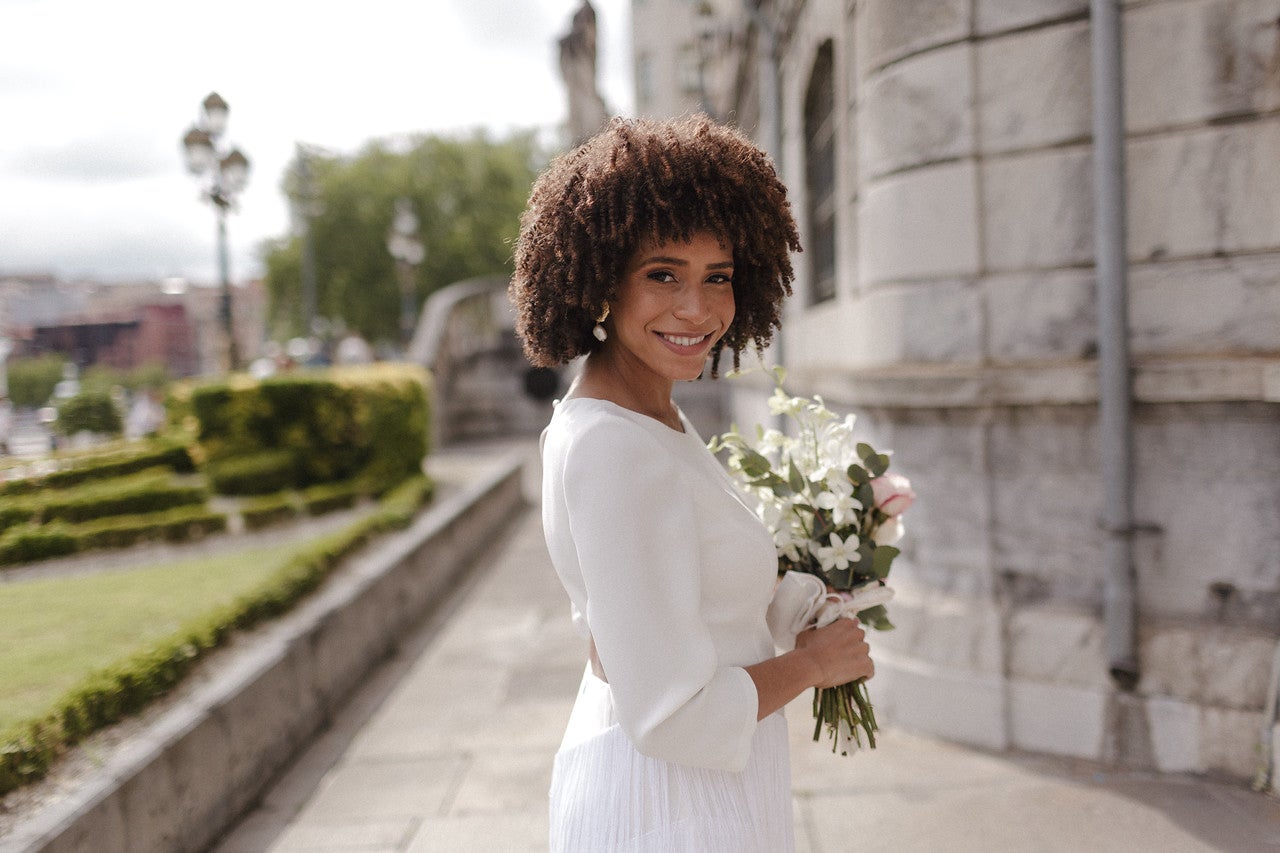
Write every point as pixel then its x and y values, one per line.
pixel 839 652
pixel 823 657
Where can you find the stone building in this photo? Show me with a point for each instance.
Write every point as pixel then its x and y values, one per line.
pixel 127 325
pixel 940 159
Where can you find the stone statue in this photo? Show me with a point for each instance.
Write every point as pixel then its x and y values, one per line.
pixel 587 112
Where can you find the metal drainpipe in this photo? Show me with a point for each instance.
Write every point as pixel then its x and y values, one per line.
pixel 1115 399
pixel 768 75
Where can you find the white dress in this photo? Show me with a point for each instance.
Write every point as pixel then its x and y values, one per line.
pixel 671 574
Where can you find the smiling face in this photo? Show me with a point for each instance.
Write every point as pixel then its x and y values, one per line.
pixel 675 300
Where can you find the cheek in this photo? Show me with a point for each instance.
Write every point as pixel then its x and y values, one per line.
pixel 727 308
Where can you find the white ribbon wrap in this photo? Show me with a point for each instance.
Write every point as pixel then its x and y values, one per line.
pixel 801 601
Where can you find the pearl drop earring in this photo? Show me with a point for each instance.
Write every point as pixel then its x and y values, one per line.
pixel 599 331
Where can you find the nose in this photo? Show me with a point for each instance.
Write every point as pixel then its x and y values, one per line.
pixel 692 305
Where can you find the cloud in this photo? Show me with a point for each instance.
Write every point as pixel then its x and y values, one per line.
pixel 95 160
pixel 501 23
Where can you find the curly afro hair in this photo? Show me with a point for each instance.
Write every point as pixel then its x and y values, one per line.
pixel 644 182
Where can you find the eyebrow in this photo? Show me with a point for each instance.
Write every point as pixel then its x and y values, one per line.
pixel 680 262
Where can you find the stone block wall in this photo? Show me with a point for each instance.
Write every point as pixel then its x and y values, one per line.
pixel 964 335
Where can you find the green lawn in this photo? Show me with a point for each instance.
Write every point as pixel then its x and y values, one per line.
pixel 55 632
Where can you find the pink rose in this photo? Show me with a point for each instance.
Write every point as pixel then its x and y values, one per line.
pixel 893 494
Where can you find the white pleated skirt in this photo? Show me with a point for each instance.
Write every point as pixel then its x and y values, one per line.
pixel 607 798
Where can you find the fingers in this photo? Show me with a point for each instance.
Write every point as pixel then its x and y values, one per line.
pixel 840 650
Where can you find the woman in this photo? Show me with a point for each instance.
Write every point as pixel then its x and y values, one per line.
pixel 651 249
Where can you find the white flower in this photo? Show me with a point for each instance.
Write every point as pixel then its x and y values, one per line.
pixel 771 441
pixel 836 444
pixel 839 498
pixel 787 543
pixel 771 509
pixel 782 404
pixel 839 554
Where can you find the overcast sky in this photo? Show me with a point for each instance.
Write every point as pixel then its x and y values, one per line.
pixel 95 96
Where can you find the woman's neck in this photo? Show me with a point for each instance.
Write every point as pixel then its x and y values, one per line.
pixel 605 378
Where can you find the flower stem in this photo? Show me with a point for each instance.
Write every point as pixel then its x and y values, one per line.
pixel 848 704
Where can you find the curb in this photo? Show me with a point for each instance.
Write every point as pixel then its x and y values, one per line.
pixel 208 758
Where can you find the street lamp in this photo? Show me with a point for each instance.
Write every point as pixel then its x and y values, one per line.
pixel 224 174
pixel 406 247
pixel 306 207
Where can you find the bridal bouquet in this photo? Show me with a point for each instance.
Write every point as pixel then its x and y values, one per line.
pixel 835 514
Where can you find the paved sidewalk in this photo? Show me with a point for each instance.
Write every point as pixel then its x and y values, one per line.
pixel 449 748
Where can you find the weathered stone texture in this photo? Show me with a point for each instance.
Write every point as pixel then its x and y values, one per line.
pixel 1221 667
pixel 917 111
pixel 1206 191
pixel 1193 61
pixel 937 700
pixel 920 224
pixel 934 322
pixel 1208 480
pixel 1218 306
pixel 955 632
pixel 1038 210
pixel 947 546
pixel 1055 718
pixel 1034 88
pixel 995 16
pixel 1057 646
pixel 891 29
pixel 1228 742
pixel 1041 316
pixel 1175 735
pixel 1046 503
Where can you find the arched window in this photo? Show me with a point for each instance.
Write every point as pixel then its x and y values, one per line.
pixel 820 175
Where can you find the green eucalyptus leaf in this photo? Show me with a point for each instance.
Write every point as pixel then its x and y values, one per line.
pixel 754 464
pixel 858 475
pixel 877 617
pixel 878 464
pixel 841 579
pixel 865 494
pixel 881 560
pixel 794 477
pixel 865 451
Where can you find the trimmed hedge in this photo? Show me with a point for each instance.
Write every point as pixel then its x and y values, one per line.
pixel 255 474
pixel 268 510
pixel 16 513
pixel 89 411
pixel 328 497
pixel 118 463
pixel 28 543
pixel 181 524
pixel 106 697
pixel 339 423
pixel 139 493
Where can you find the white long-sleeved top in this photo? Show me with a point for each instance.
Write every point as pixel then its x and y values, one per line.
pixel 667 570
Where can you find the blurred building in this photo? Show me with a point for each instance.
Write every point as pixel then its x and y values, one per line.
pixel 127 325
pixel 939 158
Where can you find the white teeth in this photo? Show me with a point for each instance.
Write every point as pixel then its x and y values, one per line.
pixel 684 342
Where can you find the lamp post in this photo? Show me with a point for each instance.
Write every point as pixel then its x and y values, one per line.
pixel 406 247
pixel 306 207
pixel 224 175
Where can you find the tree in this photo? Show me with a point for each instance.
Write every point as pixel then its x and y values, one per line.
pixel 89 411
pixel 468 193
pixel 32 380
